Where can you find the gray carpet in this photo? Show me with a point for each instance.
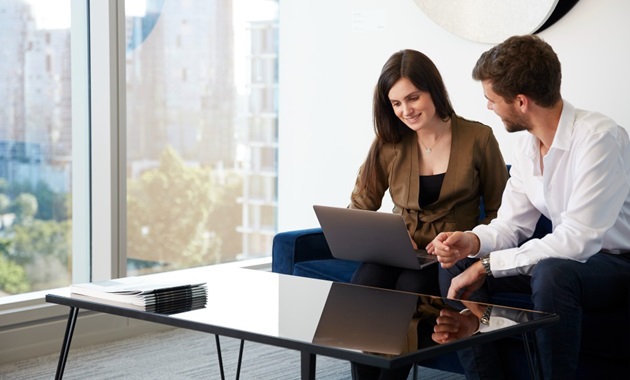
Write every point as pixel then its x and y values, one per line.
pixel 183 354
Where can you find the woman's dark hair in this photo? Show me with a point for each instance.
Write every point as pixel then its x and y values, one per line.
pixel 522 65
pixel 389 129
pixel 420 71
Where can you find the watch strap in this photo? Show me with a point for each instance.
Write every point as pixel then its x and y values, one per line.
pixel 485 261
pixel 485 318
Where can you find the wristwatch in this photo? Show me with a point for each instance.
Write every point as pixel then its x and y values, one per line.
pixel 485 318
pixel 485 261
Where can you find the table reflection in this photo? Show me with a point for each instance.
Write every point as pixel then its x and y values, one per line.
pixel 393 323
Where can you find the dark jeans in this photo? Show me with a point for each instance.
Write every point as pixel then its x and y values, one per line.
pixel 423 281
pixel 560 286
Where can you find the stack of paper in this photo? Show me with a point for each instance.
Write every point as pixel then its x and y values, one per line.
pixel 150 295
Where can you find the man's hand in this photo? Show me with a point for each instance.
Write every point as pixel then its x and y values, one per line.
pixel 452 326
pixel 475 307
pixel 467 282
pixel 450 247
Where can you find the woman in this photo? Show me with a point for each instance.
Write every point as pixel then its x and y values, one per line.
pixel 435 164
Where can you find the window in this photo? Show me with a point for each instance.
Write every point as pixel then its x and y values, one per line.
pixel 166 82
pixel 36 149
pixel 201 84
pixel 199 105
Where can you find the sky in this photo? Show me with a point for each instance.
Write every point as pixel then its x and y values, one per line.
pixel 55 14
pixel 51 14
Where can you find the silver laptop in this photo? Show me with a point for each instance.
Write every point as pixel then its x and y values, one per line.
pixel 370 236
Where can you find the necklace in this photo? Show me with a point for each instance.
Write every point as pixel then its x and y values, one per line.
pixel 427 149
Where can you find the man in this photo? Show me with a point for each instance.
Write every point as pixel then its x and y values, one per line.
pixel 572 166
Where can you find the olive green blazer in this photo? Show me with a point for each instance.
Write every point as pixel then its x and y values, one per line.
pixel 476 168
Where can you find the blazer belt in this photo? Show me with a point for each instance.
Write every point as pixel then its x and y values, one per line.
pixel 432 217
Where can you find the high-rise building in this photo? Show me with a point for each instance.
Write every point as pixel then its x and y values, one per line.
pixel 259 140
pixel 180 83
pixel 35 120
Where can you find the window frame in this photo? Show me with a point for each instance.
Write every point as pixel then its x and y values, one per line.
pixel 108 134
pixel 97 130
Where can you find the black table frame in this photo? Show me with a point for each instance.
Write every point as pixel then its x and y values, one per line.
pixel 308 351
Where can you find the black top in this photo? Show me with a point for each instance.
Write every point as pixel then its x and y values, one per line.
pixel 430 186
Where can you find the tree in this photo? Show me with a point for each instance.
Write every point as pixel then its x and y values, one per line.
pixel 167 210
pixel 41 238
pixel 227 216
pixel 51 205
pixel 36 253
pixel 12 277
pixel 25 207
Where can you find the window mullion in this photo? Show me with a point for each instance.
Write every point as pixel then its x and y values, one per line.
pixel 80 143
pixel 107 152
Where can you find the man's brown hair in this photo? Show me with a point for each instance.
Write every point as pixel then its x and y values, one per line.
pixel 522 65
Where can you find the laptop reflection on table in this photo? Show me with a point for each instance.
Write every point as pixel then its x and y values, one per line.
pixel 366 319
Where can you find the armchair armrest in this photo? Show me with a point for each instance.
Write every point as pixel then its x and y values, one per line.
pixel 291 247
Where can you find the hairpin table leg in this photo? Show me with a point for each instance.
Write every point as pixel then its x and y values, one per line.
pixel 219 356
pixel 240 360
pixel 308 361
pixel 67 339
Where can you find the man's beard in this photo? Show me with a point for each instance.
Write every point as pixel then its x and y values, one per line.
pixel 515 123
pixel 511 126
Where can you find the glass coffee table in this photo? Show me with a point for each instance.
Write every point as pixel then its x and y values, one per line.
pixel 365 325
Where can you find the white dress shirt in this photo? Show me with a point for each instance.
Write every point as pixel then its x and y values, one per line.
pixel 584 190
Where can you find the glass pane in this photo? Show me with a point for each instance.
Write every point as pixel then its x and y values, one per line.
pixel 35 145
pixel 202 89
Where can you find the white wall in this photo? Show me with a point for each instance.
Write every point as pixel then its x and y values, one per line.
pixel 329 66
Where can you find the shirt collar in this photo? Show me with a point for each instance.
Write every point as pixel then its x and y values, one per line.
pixel 562 138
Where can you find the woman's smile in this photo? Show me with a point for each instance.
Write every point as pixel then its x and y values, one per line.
pixel 412 119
